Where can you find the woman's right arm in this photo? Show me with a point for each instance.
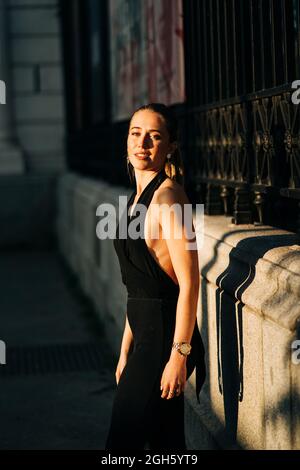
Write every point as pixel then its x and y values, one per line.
pixel 126 344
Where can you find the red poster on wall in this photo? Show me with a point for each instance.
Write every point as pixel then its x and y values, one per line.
pixel 147 57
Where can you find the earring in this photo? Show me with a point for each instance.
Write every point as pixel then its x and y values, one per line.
pixel 169 156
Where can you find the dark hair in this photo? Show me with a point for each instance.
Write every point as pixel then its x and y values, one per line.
pixel 174 165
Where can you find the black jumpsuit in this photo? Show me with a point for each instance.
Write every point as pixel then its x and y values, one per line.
pixel 140 416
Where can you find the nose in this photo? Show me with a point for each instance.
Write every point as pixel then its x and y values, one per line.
pixel 144 141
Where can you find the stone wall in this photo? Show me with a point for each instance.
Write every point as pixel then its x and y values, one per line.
pixel 248 311
pixel 37 84
pixel 93 260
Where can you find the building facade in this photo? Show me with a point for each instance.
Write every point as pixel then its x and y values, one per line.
pixel 74 71
pixel 32 122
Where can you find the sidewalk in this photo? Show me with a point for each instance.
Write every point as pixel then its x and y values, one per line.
pixel 58 382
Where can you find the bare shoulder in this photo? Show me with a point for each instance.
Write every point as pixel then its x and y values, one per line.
pixel 170 192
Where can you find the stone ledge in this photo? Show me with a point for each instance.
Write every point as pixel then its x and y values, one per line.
pixel 257 265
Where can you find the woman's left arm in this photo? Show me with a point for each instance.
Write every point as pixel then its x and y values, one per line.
pixel 184 258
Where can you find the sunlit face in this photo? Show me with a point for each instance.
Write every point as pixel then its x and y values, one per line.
pixel 148 141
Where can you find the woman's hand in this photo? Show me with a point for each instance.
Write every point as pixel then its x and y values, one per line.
pixel 174 376
pixel 120 366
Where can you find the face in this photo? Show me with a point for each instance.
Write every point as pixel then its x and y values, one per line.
pixel 148 141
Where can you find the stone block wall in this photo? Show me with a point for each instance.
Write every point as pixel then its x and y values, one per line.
pixel 37 82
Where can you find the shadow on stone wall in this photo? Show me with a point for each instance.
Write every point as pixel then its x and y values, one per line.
pixel 231 284
pixel 280 421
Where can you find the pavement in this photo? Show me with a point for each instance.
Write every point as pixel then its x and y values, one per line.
pixel 57 386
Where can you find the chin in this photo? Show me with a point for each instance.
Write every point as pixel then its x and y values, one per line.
pixel 147 164
pixel 141 164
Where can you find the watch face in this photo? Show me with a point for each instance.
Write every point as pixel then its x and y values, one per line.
pixel 185 348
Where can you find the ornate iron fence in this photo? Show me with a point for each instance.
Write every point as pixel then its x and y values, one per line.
pixel 243 129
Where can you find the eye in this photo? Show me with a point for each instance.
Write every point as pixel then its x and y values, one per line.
pixel 156 137
pixel 134 133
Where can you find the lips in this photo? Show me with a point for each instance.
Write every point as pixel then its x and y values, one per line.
pixel 141 155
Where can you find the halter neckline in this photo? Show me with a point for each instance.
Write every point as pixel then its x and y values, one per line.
pixel 152 181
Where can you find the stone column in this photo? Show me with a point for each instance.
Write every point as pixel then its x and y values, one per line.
pixel 11 158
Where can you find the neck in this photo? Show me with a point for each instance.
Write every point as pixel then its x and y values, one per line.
pixel 143 178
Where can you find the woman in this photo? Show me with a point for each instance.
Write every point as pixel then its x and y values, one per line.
pixel 161 343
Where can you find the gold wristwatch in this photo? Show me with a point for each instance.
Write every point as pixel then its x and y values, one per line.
pixel 183 348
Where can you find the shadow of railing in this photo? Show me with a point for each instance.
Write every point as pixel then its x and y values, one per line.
pixel 230 285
